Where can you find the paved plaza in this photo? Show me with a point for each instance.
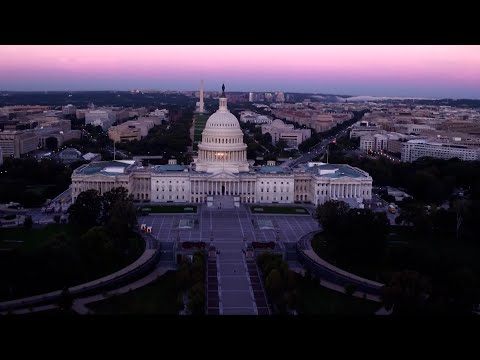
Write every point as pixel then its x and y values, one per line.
pixel 234 286
pixel 228 228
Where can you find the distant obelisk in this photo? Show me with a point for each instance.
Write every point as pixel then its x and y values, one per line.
pixel 201 97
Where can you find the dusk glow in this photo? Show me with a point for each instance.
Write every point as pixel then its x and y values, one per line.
pixel 420 71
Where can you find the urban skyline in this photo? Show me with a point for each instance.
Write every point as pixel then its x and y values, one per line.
pixel 375 70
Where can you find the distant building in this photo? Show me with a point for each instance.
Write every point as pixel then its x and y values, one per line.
pixel 69 110
pixel 253 117
pixel 162 114
pixel 103 118
pixel 17 142
pixel 80 113
pixel 251 97
pixel 69 155
pixel 416 149
pixel 280 97
pixel 92 157
pixel 281 131
pixel 1 156
pixel 363 128
pixel 367 143
pixel 381 142
pixel 133 129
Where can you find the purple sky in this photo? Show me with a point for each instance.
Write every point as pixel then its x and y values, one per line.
pixel 377 70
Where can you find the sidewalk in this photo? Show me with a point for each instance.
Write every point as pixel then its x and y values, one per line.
pixel 80 307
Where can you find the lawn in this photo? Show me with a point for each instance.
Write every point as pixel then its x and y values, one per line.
pixel 158 297
pixel 189 209
pixel 279 210
pixel 46 259
pixel 28 240
pixel 318 300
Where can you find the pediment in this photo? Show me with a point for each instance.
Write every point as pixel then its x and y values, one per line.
pixel 223 176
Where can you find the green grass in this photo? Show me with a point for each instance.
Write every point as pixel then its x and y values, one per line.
pixel 318 300
pixel 38 189
pixel 170 209
pixel 44 262
pixel 279 210
pixel 32 238
pixel 158 297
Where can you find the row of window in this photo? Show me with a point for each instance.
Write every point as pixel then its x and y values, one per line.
pixel 274 199
pixel 163 181
pixel 276 182
pixel 274 189
pixel 170 197
pixel 222 125
pixel 223 140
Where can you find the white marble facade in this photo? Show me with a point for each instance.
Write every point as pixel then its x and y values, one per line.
pixel 221 169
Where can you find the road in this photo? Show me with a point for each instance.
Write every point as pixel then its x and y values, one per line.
pixel 60 203
pixel 317 150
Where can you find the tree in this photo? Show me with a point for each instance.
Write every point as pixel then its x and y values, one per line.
pixel 350 289
pixel 122 221
pixel 51 143
pixel 110 198
pixel 65 301
pixel 86 210
pixel 329 214
pixel 196 299
pixel 274 283
pixel 407 292
pixel 267 138
pixel 28 222
pixel 281 145
pixel 183 276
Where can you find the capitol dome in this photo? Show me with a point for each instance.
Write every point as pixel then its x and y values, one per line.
pixel 222 148
pixel 222 119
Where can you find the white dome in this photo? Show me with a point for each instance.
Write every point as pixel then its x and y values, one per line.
pixel 222 120
pixel 278 123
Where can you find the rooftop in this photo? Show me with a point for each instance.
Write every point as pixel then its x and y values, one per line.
pixel 103 168
pixel 337 171
pixel 169 167
pixel 272 169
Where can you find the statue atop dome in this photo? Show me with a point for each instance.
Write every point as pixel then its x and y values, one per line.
pixel 223 91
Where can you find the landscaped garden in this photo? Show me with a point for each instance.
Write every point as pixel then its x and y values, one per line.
pixel 428 262
pixel 279 210
pixel 98 240
pixel 158 297
pixel 290 292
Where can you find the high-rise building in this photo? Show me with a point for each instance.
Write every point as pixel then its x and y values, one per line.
pixel 251 97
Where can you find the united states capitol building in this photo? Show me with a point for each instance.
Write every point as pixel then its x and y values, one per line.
pixel 222 173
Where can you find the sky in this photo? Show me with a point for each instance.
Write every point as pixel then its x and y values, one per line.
pixel 433 71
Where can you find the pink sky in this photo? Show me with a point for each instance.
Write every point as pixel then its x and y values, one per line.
pixel 393 70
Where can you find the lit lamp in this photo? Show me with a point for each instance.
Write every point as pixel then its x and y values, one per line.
pixel 222 156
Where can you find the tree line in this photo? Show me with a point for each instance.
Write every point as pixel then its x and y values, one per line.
pixel 426 266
